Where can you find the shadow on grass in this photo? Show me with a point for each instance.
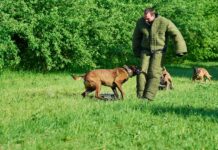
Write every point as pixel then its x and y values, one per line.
pixel 187 111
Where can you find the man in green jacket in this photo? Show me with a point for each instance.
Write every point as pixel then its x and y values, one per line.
pixel 149 44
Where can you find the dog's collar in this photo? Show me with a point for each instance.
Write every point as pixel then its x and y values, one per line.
pixel 128 70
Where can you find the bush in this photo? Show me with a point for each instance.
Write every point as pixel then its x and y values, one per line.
pixel 81 35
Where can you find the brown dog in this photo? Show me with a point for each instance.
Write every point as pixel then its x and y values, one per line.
pixel 113 78
pixel 165 80
pixel 200 74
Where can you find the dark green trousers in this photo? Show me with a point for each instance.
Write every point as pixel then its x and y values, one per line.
pixel 148 82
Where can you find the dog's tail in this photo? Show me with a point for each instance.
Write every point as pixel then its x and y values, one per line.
pixel 77 77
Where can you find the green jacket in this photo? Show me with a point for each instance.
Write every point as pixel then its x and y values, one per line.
pixel 155 37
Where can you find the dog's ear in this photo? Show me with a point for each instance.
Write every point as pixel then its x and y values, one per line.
pixel 195 69
pixel 125 66
pixel 133 67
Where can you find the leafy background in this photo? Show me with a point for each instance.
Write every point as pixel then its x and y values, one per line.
pixel 53 35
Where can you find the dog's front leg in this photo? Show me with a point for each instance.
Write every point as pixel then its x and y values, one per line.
pixel 208 77
pixel 171 85
pixel 118 84
pixel 115 91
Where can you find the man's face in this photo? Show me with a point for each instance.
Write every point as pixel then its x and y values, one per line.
pixel 149 17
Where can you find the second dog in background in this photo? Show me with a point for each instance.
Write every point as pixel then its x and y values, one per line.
pixel 200 74
pixel 165 80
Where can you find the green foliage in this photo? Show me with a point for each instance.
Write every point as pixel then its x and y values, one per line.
pixel 80 35
pixel 197 22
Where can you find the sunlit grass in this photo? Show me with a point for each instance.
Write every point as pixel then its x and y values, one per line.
pixel 46 111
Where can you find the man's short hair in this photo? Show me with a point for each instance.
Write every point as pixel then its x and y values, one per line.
pixel 150 10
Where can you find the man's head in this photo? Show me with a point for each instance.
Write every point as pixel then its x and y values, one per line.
pixel 149 15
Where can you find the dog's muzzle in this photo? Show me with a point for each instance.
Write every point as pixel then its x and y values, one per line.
pixel 138 72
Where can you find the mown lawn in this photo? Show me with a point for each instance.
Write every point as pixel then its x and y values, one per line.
pixel 46 111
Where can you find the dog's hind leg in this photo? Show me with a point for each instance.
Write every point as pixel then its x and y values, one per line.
pixel 88 90
pixel 97 91
pixel 84 94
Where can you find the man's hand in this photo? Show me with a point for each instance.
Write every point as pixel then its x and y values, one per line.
pixel 180 54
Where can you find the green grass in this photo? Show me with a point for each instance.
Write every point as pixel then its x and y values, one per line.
pixel 46 111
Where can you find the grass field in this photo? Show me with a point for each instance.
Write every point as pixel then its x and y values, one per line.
pixel 46 111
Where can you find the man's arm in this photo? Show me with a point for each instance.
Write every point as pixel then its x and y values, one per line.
pixel 178 39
